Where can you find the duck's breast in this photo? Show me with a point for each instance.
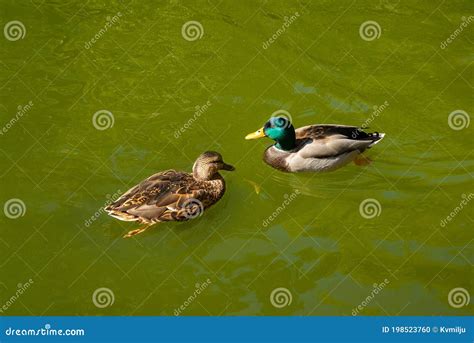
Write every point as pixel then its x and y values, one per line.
pixel 277 158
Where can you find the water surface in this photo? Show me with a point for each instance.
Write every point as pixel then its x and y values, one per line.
pixel 173 98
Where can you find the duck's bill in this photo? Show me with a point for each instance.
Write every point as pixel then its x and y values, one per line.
pixel 228 167
pixel 257 134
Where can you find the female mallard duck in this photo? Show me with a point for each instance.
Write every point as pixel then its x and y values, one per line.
pixel 173 195
pixel 313 148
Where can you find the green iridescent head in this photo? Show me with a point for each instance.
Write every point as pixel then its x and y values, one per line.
pixel 280 130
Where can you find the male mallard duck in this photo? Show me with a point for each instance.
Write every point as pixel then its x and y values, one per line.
pixel 314 148
pixel 173 195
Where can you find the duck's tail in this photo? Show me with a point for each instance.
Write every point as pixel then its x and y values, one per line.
pixel 377 137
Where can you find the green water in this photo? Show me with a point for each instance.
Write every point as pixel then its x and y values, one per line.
pixel 319 69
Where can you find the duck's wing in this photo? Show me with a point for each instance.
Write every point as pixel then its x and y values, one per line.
pixel 161 197
pixel 325 141
pixel 328 130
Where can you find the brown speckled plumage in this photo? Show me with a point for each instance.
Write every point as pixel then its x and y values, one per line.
pixel 173 195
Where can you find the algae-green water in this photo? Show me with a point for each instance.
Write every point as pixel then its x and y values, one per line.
pixel 97 95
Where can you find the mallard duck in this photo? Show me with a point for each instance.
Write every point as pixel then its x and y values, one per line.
pixel 313 148
pixel 173 195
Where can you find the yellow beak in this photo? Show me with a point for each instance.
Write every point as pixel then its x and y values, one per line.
pixel 257 134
